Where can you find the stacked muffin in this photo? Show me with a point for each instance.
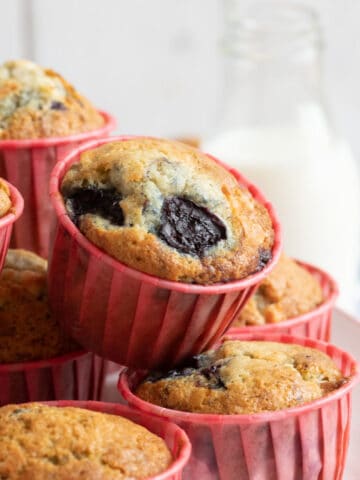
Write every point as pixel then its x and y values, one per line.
pixel 42 116
pixel 40 441
pixel 36 102
pixel 28 330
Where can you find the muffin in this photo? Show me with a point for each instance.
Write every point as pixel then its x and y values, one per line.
pixel 28 331
pixel 5 202
pixel 166 209
pixel 39 441
pixel 288 291
pixel 36 102
pixel 243 377
pixel 308 441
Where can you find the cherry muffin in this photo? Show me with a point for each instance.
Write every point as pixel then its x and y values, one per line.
pixel 38 360
pixel 62 443
pixel 28 330
pixel 166 209
pixel 288 291
pixel 244 377
pixel 259 406
pixel 36 102
pixel 158 247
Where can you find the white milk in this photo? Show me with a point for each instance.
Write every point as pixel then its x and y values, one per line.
pixel 313 182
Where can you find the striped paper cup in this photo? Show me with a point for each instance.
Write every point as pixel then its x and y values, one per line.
pixel 130 317
pixel 27 164
pixel 74 376
pixel 308 442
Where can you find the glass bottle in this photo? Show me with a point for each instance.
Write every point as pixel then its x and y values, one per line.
pixel 275 128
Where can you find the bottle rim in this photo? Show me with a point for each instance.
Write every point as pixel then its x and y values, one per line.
pixel 271 28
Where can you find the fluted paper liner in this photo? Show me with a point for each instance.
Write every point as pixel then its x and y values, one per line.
pixel 75 376
pixel 130 317
pixel 27 164
pixel 315 324
pixel 308 442
pixel 8 221
pixel 174 437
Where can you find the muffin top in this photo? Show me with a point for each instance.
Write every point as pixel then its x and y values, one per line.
pixel 5 201
pixel 244 377
pixel 42 442
pixel 36 102
pixel 28 331
pixel 165 208
pixel 288 291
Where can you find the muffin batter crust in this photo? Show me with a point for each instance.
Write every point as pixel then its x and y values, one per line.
pixel 166 209
pixel 39 442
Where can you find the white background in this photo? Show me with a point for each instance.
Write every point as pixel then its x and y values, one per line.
pixel 155 63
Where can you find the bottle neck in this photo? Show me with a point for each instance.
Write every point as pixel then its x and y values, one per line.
pixel 272 71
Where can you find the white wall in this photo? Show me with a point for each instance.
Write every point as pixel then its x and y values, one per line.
pixel 154 63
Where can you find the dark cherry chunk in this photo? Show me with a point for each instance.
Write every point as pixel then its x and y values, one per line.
pixel 99 201
pixel 264 258
pixel 55 105
pixel 207 377
pixel 213 377
pixel 188 227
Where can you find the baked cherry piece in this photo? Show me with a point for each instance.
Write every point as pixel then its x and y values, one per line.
pixel 103 202
pixel 208 376
pixel 55 105
pixel 264 258
pixel 188 227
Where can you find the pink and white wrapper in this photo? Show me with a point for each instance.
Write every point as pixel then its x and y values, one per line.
pixel 308 442
pixel 175 438
pixel 75 376
pixel 7 221
pixel 315 324
pixel 130 317
pixel 27 164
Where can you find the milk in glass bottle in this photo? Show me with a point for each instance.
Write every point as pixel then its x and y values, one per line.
pixel 274 127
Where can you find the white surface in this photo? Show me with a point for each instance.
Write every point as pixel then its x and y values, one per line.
pixel 346 335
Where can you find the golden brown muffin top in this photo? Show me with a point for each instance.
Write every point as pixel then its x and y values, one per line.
pixel 245 377
pixel 288 291
pixel 36 102
pixel 39 442
pixel 28 331
pixel 165 208
pixel 5 201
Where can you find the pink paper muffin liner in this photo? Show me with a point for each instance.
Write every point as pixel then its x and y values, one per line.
pixel 75 376
pixel 308 442
pixel 27 164
pixel 8 220
pixel 130 317
pixel 174 437
pixel 315 324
